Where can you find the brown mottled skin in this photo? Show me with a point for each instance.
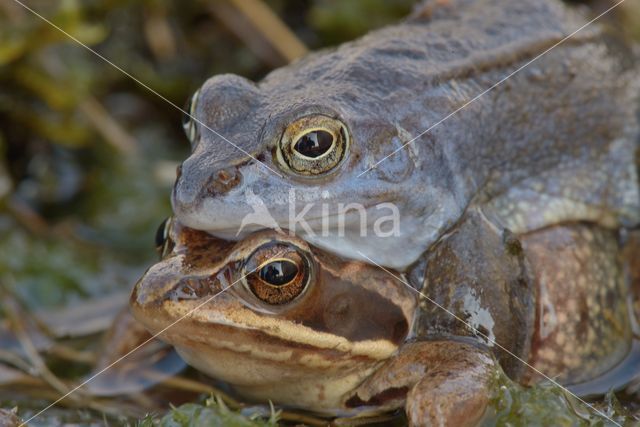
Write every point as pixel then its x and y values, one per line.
pixel 359 340
pixel 580 280
pixel 553 144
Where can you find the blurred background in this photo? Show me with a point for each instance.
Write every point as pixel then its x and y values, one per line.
pixel 88 156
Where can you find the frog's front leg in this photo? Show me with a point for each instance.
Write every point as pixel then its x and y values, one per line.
pixel 441 383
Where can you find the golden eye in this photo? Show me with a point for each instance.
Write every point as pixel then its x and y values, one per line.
pixel 279 278
pixel 313 145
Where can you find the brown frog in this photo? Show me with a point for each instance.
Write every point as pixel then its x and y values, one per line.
pixel 285 321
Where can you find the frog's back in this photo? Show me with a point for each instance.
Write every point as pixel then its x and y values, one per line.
pixel 553 142
pixel 554 139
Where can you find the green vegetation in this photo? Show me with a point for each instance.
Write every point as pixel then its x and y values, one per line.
pixel 213 413
pixel 547 404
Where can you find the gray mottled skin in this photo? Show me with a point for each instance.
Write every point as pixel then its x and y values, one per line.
pixel 554 143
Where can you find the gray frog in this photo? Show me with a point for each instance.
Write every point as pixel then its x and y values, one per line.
pixel 554 143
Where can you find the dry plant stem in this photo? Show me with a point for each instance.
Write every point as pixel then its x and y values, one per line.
pixel 12 311
pixel 27 217
pixel 272 28
pixel 13 359
pixel 141 401
pixel 158 33
pixel 110 407
pixel 237 24
pixel 12 10
pixel 105 124
pixel 36 389
pixel 26 382
pixel 70 354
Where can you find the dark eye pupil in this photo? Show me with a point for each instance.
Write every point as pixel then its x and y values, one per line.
pixel 278 273
pixel 314 144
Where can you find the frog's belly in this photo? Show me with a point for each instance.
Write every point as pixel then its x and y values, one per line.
pixel 320 390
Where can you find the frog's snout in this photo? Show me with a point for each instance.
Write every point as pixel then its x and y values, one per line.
pixel 222 181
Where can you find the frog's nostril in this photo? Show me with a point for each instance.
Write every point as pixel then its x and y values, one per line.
pixel 223 181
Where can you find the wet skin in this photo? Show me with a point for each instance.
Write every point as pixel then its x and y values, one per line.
pixel 553 144
pixel 302 327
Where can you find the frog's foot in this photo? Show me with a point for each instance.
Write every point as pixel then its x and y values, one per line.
pixel 441 383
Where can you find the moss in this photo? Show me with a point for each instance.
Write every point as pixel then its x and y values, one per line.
pixel 213 413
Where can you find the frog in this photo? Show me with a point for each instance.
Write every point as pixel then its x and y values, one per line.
pixel 519 108
pixel 281 320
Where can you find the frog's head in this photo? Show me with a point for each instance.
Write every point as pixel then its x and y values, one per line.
pixel 299 142
pixel 274 317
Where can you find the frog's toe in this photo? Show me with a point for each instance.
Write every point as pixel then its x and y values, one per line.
pixel 446 383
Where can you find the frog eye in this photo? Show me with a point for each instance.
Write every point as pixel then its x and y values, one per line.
pixel 188 124
pixel 164 244
pixel 313 145
pixel 281 275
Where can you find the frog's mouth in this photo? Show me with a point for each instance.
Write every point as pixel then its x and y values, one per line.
pixel 286 363
pixel 323 225
pixel 227 324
